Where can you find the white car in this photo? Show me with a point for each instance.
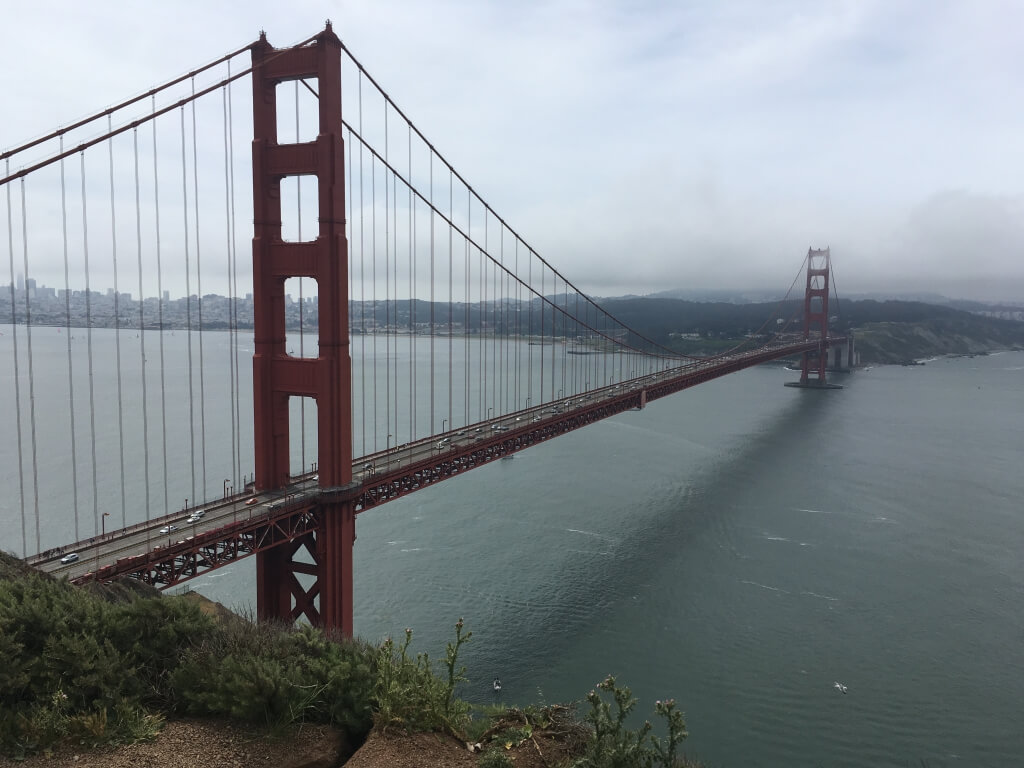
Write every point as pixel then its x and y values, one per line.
pixel 168 528
pixel 69 558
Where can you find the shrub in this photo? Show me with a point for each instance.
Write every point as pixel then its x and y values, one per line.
pixel 275 676
pixel 613 745
pixel 408 693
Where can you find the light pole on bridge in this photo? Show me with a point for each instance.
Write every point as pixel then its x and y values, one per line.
pixel 103 524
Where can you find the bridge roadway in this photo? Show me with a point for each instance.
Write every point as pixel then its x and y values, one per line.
pixel 242 524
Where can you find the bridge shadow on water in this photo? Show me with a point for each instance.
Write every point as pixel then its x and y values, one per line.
pixel 590 592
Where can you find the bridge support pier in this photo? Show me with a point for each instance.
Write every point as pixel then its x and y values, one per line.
pixel 326 555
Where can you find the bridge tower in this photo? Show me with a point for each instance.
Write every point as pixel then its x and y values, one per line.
pixel 276 375
pixel 819 268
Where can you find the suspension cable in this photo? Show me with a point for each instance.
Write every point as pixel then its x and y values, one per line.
pixel 31 376
pixel 188 317
pixel 199 301
pixel 17 373
pixel 302 330
pixel 124 104
pixel 231 290
pixel 117 335
pixel 88 341
pixel 67 339
pixel 160 314
pixel 142 326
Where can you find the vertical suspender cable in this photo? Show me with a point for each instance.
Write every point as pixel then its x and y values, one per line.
pixel 231 324
pixel 482 294
pixel 529 327
pixel 188 317
pixel 31 376
pixel 88 341
pixel 233 283
pixel 351 262
pixel 199 299
pixel 17 373
pixel 467 297
pixel 564 334
pixel 67 339
pixel 542 337
pixel 451 217
pixel 412 297
pixel 302 333
pixel 505 290
pixel 362 273
pixel 117 331
pixel 394 277
pixel 160 312
pixel 430 212
pixel 373 297
pixel 387 283
pixel 142 323
pixel 576 334
pixel 554 301
pixel 519 296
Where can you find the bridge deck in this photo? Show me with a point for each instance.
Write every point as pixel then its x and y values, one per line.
pixel 168 550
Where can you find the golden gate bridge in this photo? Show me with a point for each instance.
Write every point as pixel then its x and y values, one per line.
pixel 428 336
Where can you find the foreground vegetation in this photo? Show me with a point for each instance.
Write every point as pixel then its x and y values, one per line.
pixel 109 668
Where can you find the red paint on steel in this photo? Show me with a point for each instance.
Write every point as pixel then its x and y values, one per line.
pixel 278 376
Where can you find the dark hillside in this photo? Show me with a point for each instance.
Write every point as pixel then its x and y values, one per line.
pixel 886 331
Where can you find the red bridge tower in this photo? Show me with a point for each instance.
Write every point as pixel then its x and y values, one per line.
pixel 278 376
pixel 812 366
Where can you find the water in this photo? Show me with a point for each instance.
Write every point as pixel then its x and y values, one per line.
pixel 740 547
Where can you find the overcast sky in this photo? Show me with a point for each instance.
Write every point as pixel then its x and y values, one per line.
pixel 642 145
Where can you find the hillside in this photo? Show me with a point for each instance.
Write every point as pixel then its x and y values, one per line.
pixel 886 331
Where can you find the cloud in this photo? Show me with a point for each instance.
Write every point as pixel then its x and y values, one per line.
pixel 708 144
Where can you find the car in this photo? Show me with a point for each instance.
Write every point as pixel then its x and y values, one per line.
pixel 253 500
pixel 196 516
pixel 168 528
pixel 69 558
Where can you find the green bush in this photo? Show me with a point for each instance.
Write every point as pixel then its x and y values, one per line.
pixel 495 758
pixel 613 745
pixel 408 694
pixel 276 676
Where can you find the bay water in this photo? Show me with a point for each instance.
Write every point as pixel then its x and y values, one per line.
pixel 740 547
